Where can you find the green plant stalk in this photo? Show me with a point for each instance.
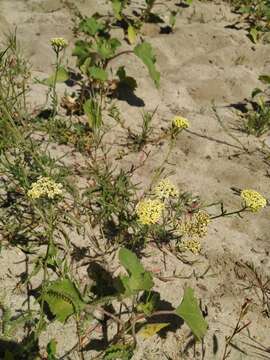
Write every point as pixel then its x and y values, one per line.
pixel 50 231
pixel 225 213
pixel 54 93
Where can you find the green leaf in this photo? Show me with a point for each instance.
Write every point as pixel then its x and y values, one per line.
pixel 150 304
pixel 51 350
pixel 190 311
pixel 255 92
pixel 93 111
pixel 98 73
pixel 130 261
pixel 106 48
pixel 265 79
pixel 150 330
pixel 138 278
pixel 62 76
pixel 254 35
pixel 145 52
pixel 63 298
pixel 132 34
pixel 81 51
pixel 172 20
pixel 91 26
pixel 118 352
pixel 118 7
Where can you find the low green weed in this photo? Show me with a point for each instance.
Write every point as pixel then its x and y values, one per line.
pixel 257 119
pixel 256 14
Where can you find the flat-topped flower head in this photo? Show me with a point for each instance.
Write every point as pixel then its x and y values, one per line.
pixel 149 211
pixel 196 226
pixel 165 189
pixel 45 187
pixel 180 122
pixel 254 201
pixel 192 245
pixel 58 44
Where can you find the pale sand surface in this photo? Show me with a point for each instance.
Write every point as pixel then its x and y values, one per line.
pixel 201 62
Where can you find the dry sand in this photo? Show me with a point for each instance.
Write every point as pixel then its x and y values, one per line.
pixel 201 62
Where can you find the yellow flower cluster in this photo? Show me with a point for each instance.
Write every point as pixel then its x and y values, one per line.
pixel 58 44
pixel 180 122
pixel 149 211
pixel 192 245
pixel 196 226
pixel 43 187
pixel 253 200
pixel 165 189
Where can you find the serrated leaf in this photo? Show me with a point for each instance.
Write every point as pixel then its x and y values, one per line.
pixel 81 51
pixel 150 330
pixel 62 76
pixel 63 299
pixel 106 48
pixel 190 311
pixel 91 26
pixel 132 34
pixel 145 52
pixel 98 73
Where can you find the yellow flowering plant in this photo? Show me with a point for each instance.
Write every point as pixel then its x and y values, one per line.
pixel 45 187
pixel 253 200
pixel 178 124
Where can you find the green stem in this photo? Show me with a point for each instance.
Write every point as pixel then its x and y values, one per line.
pixel 54 94
pixel 225 213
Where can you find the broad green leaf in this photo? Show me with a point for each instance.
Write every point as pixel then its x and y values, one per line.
pixel 145 52
pixel 98 73
pixel 63 298
pixel 130 261
pixel 81 51
pixel 265 79
pixel 62 76
pixel 132 34
pixel 118 352
pixel 190 311
pixel 93 111
pixel 138 279
pixel 150 330
pixel 106 48
pixel 91 26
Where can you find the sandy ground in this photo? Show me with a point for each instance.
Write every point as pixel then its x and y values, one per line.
pixel 201 62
